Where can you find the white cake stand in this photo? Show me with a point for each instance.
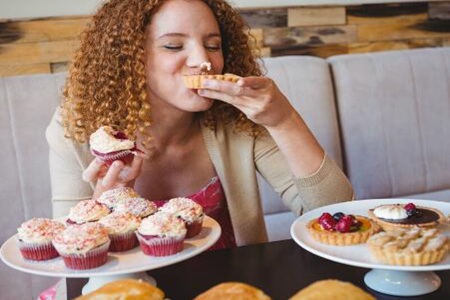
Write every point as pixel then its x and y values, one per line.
pixel 128 264
pixel 387 279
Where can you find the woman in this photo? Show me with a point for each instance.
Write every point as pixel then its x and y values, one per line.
pixel 128 74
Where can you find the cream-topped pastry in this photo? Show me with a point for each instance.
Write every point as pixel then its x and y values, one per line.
pixel 110 198
pixel 139 207
pixel 162 224
pixel 120 222
pixel 104 140
pixel 79 239
pixel 392 212
pixel 39 230
pixel 87 211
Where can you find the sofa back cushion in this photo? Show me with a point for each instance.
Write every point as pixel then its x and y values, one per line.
pixel 394 112
pixel 27 104
pixel 306 82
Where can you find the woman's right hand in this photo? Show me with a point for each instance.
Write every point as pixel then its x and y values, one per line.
pixel 117 175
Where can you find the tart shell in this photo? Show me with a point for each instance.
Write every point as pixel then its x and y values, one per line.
pixel 336 238
pixel 196 81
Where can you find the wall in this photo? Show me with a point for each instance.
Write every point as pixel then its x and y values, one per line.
pixel 46 45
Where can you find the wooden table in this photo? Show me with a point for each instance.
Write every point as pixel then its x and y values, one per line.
pixel 279 268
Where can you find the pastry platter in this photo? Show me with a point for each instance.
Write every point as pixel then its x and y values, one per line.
pixel 130 264
pixel 388 279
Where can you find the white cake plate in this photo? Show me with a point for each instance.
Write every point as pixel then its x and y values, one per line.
pixel 128 264
pixel 387 279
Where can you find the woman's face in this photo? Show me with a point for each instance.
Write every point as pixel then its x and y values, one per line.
pixel 181 36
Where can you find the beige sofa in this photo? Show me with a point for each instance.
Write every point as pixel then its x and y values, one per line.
pixel 383 117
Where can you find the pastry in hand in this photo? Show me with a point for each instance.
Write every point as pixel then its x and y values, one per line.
pixel 412 247
pixel 331 289
pixel 125 289
pixel 109 145
pixel 233 291
pixel 196 81
pixel 405 216
pixel 340 229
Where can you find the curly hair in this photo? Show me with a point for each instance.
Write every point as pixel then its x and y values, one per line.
pixel 107 85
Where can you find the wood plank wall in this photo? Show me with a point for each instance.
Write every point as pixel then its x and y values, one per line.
pixel 46 45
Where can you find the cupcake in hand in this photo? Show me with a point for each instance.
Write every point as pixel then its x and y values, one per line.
pixel 34 238
pixel 87 211
pixel 161 234
pixel 83 246
pixel 111 198
pixel 109 145
pixel 121 228
pixel 188 211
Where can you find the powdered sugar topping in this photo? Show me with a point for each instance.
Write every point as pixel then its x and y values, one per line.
pixel 163 225
pixel 118 223
pixel 87 211
pixel 39 230
pixel 139 207
pixel 79 239
pixel 184 208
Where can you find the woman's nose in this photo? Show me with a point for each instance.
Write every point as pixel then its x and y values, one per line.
pixel 198 57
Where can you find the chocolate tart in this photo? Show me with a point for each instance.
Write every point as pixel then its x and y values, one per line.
pixel 337 238
pixel 427 218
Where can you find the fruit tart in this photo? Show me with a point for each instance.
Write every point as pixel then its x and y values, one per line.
pixel 412 247
pixel 341 229
pixel 401 216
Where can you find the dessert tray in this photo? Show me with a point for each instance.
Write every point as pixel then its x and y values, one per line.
pixel 388 279
pixel 128 264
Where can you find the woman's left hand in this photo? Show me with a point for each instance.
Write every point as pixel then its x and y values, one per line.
pixel 257 97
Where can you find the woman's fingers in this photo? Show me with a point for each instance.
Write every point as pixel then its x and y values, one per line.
pixel 131 172
pixel 91 173
pixel 112 176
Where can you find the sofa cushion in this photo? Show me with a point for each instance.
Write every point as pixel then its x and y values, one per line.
pixel 27 103
pixel 394 109
pixel 306 82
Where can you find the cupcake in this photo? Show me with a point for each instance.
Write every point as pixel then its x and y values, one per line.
pixel 83 246
pixel 161 234
pixel 121 228
pixel 87 211
pixel 187 210
pixel 109 145
pixel 34 238
pixel 111 197
pixel 139 207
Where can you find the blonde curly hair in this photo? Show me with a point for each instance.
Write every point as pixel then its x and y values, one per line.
pixel 107 85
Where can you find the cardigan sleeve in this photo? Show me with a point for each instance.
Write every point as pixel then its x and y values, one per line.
pixel 326 186
pixel 66 167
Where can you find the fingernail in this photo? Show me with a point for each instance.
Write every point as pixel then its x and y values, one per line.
pixel 206 83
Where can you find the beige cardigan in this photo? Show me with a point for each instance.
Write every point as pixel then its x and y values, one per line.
pixel 236 157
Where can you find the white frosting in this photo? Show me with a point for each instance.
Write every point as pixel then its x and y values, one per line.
pixel 139 207
pixel 205 66
pixel 79 239
pixel 39 230
pixel 393 212
pixel 119 223
pixel 111 197
pixel 87 211
pixel 103 141
pixel 163 225
pixel 184 208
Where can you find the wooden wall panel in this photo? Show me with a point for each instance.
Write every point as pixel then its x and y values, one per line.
pixel 47 45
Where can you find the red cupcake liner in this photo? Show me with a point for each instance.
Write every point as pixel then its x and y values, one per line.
pixel 122 242
pixel 92 259
pixel 160 246
pixel 37 252
pixel 194 228
pixel 126 156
